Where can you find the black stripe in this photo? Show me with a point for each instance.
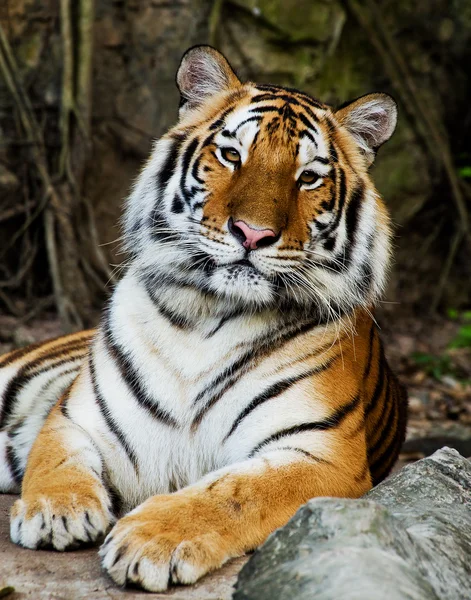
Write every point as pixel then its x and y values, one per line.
pixel 333 153
pixel 351 220
pixel 306 454
pixel 131 377
pixel 364 278
pixel 264 109
pixel 28 372
pixel 379 381
pixel 209 140
pixel 223 321
pixel 390 406
pixel 341 189
pixel 255 350
pixel 73 354
pixel 332 127
pixel 175 319
pixel 248 120
pixel 275 390
pixel 216 125
pixel 312 114
pixel 14 430
pixel 50 383
pixel 329 243
pixel 277 89
pixel 310 100
pixel 342 193
pixel 369 360
pixel 308 123
pixel 234 372
pixel 15 355
pixel 328 205
pixel 106 413
pixel 63 402
pixel 308 134
pixel 69 358
pixel 186 161
pixel 187 156
pixel 170 164
pixel 363 473
pixel 263 98
pixel 384 463
pixel 220 120
pixel 338 264
pixel 329 423
pixel 195 169
pixel 177 205
pixel 14 464
pixel 159 225
pixel 274 97
pixel 117 501
pixel 269 86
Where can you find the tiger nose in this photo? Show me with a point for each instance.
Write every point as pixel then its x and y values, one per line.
pixel 249 237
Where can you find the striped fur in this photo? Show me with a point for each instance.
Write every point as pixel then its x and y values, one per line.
pixel 223 387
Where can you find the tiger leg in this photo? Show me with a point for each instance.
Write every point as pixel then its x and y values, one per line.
pixel 8 483
pixel 180 537
pixel 63 502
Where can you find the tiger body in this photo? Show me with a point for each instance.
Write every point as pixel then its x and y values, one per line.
pixel 237 371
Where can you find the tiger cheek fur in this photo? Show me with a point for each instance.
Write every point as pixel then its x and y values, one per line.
pixel 237 370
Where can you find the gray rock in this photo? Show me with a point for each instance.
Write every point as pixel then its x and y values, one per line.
pixel 409 538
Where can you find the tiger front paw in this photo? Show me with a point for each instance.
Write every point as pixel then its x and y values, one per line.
pixel 161 543
pixel 61 521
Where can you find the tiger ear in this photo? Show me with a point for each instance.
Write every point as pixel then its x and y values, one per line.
pixel 371 120
pixel 203 72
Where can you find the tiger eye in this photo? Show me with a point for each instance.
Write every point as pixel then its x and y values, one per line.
pixel 230 154
pixel 308 177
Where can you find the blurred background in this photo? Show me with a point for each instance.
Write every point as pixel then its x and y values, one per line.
pixel 86 85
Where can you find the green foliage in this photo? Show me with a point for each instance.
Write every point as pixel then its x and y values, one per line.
pixel 435 366
pixel 463 337
pixel 440 366
pixel 465 172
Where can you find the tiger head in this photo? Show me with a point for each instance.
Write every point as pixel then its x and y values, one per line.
pixel 260 196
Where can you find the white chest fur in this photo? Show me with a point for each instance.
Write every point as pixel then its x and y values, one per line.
pixel 173 393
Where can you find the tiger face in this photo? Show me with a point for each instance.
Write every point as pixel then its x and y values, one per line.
pixel 260 196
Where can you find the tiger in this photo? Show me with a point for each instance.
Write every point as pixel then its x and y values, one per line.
pixel 237 370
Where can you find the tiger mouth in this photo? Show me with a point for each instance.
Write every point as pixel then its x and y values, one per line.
pixel 243 266
pixel 243 262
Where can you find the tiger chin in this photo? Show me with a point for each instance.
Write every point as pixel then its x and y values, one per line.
pixel 237 370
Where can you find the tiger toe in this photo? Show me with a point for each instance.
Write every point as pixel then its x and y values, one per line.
pixel 61 525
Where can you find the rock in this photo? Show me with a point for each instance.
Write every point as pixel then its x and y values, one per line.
pixel 436 434
pixel 409 538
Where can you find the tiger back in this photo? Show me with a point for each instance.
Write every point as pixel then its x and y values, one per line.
pixel 237 370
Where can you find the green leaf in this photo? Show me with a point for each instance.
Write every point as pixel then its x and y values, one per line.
pixel 463 338
pixel 6 591
pixel 435 366
pixel 465 172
